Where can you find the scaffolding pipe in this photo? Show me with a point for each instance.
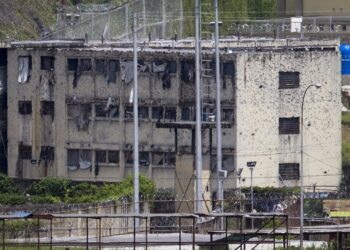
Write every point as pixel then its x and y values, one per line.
pixel 199 205
pixel 220 195
pixel 136 120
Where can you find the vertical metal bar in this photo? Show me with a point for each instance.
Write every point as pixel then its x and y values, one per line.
pixel 226 233
pixel 136 121
pixel 251 195
pixel 126 28
pixel 87 233
pixel 181 19
pixel 146 233
pixel 241 231
pixel 199 205
pixel 179 233
pixel 134 233
pixel 194 233
pixel 3 234
pixel 99 234
pixel 163 20
pixel 144 18
pixel 51 233
pixel 38 233
pixel 287 230
pixel 218 111
pixel 274 232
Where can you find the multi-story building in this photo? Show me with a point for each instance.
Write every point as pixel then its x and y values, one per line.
pixel 69 113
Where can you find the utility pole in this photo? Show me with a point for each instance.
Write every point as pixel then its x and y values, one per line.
pixel 251 166
pixel 199 205
pixel 136 119
pixel 218 111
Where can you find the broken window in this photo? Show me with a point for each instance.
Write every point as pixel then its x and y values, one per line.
pixel 289 171
pixel 47 108
pixel 228 115
pixel 47 63
pixel 163 159
pixel 24 68
pixel 128 112
pixel 143 112
pixel 107 156
pixel 170 113
pixel 228 69
pixel 25 152
pixel 72 64
pixel 85 65
pixel 81 113
pixel 100 66
pixel 289 125
pixel 79 158
pixel 24 107
pixel 102 110
pixel 143 158
pixel 188 114
pixel 187 71
pixel 289 80
pixel 47 153
pixel 113 66
pixel 157 113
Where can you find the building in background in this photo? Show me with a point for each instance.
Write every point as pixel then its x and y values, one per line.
pixel 69 112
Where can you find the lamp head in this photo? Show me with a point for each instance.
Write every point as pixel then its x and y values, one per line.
pixel 318 85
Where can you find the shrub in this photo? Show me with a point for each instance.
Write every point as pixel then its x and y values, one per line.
pixel 51 186
pixel 47 199
pixel 12 199
pixel 7 185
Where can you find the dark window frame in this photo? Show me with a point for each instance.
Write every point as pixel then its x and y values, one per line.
pixel 47 62
pixel 107 158
pixel 288 79
pixel 100 112
pixel 25 107
pixel 289 171
pixel 289 125
pixel 48 108
pixel 25 152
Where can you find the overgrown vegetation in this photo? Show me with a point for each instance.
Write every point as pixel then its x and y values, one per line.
pixel 51 190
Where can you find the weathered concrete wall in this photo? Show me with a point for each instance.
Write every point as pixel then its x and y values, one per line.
pixel 260 104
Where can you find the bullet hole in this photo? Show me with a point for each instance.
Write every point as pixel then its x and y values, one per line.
pixel 309 124
pixel 325 172
pixel 260 87
pixel 243 179
pixel 253 134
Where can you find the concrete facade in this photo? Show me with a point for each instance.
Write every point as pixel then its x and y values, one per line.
pixel 89 146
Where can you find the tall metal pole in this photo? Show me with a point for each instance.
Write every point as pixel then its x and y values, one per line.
pixel 218 110
pixel 302 166
pixel 199 205
pixel 251 194
pixel 136 121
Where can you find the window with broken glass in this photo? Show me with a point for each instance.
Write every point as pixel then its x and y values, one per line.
pixel 80 114
pixel 164 159
pixel 79 159
pixel 228 115
pixel 25 107
pixel 25 152
pixel 24 68
pixel 107 157
pixel 47 63
pixel 104 111
pixel 75 64
pixel 143 158
pixel 100 66
pixel 188 113
pixel 47 108
pixel 289 171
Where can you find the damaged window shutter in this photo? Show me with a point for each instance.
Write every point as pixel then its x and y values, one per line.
pixel 24 68
pixel 47 63
pixel 289 171
pixel 25 152
pixel 25 107
pixel 289 80
pixel 289 125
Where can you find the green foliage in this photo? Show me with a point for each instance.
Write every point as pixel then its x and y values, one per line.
pixel 345 118
pixel 345 153
pixel 51 186
pixel 7 185
pixel 46 199
pixel 12 199
pixel 272 190
pixel 313 208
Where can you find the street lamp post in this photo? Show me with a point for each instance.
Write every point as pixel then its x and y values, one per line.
pixel 251 165
pixel 302 165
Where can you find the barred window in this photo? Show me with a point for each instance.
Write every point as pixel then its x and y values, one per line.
pixel 289 80
pixel 25 107
pixel 47 153
pixel 170 113
pixel 289 125
pixel 289 171
pixel 107 156
pixel 163 159
pixel 25 152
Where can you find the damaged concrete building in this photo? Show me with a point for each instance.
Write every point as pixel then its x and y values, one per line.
pixel 70 115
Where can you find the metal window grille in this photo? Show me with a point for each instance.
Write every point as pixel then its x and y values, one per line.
pixel 289 80
pixel 289 171
pixel 289 125
pixel 72 64
pixel 25 152
pixel 25 107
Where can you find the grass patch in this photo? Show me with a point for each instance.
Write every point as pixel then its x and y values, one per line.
pixel 345 118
